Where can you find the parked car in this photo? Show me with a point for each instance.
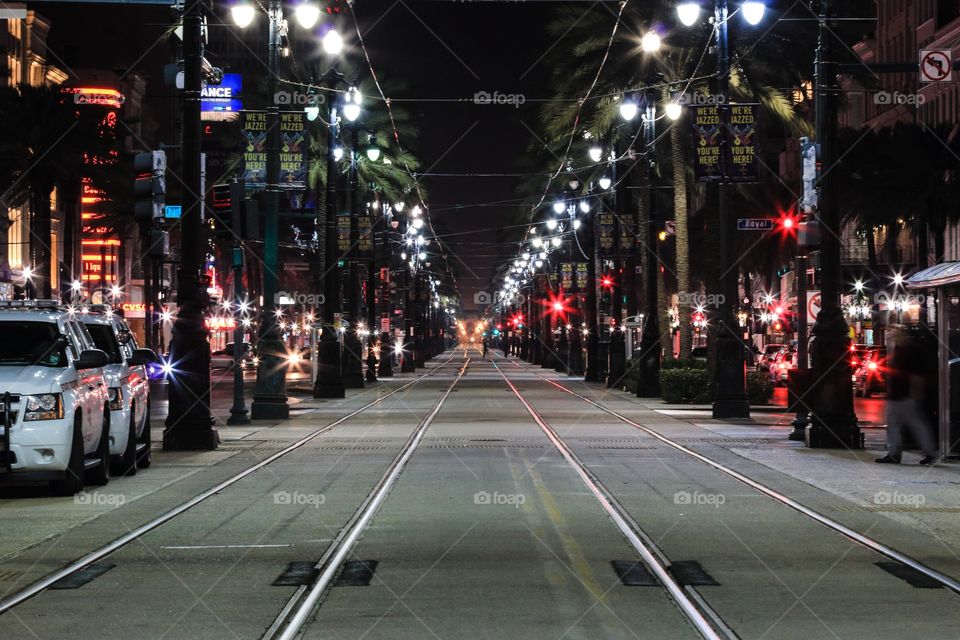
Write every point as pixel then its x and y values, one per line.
pixel 223 358
pixel 781 363
pixel 54 403
pixel 128 389
pixel 870 375
pixel 769 352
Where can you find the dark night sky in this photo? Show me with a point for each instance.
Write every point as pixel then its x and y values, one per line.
pixel 453 50
pixel 437 50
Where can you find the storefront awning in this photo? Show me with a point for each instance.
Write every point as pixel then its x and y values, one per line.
pixel 938 275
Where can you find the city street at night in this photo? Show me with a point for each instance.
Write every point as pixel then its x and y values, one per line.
pixel 490 320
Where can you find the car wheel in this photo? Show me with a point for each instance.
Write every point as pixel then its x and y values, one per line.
pixel 72 481
pixel 126 463
pixel 100 474
pixel 143 442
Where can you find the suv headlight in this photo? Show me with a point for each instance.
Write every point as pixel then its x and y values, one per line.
pixel 48 406
pixel 115 398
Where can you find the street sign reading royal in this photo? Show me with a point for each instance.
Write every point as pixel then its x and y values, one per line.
pixel 754 224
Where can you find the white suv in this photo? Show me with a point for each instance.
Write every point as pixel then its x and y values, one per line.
pixel 54 409
pixel 128 389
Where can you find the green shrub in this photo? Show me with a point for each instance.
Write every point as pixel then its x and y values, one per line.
pixel 684 363
pixel 685 386
pixel 759 387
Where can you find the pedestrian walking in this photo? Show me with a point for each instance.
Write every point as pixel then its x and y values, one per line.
pixel 904 384
pixel 484 348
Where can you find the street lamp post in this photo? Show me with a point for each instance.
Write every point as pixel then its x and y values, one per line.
pixel 269 395
pixel 617 344
pixel 352 345
pixel 189 423
pixel 833 422
pixel 730 395
pixel 648 385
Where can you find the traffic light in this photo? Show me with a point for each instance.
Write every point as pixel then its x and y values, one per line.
pixel 150 186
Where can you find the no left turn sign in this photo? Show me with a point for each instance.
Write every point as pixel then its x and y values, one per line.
pixel 936 65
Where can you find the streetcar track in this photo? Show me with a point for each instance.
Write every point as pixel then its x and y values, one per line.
pixel 8 602
pixel 855 536
pixel 694 607
pixel 295 613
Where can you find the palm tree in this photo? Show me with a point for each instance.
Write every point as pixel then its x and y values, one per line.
pixel 43 142
pixel 628 70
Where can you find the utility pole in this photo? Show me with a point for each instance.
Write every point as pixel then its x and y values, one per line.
pixel 270 394
pixel 730 390
pixel 189 424
pixel 617 349
pixel 833 422
pixel 329 383
pixel 648 385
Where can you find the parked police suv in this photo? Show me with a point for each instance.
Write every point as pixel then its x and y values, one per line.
pixel 128 389
pixel 55 411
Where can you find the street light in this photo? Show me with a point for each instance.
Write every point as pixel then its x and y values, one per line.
pixel 332 42
pixel 628 109
pixel 243 14
pixel 605 182
pixel 351 106
pixel 650 42
pixel 307 14
pixel 373 152
pixel 753 11
pixel 674 110
pixel 595 153
pixel 688 12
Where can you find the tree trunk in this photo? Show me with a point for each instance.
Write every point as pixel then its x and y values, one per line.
pixel 682 239
pixel 40 252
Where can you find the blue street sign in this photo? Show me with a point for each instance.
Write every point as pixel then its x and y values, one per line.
pixel 754 224
pixel 172 211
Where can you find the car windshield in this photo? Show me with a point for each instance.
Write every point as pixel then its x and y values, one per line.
pixel 105 340
pixel 31 343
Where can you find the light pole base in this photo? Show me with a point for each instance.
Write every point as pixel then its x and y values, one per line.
pixel 187 436
pixel 270 394
pixel 270 408
pixel 238 417
pixel 329 383
pixel 352 361
pixel 730 380
pixel 618 360
pixel 833 423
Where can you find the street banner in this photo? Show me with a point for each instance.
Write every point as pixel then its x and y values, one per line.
pixel 581 276
pixel 606 225
pixel 364 248
pixel 293 150
pixel 344 241
pixel 628 233
pixel 708 142
pixel 566 276
pixel 737 161
pixel 743 142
